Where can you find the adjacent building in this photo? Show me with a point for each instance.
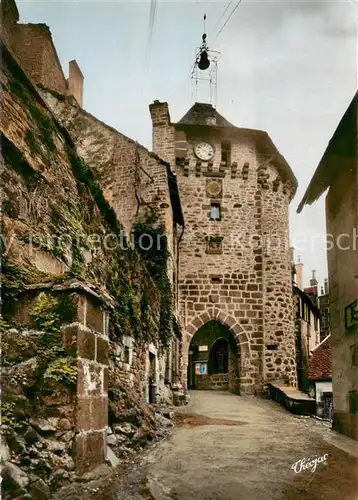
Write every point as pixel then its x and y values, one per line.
pixel 320 378
pixel 337 172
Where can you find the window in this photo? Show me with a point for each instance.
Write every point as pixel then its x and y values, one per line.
pixel 126 354
pixel 226 152
pixel 215 211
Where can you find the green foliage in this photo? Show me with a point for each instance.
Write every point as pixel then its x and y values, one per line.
pixel 49 312
pixel 4 324
pixel 44 313
pixel 18 89
pixel 156 256
pixel 42 242
pixel 8 415
pixel 44 124
pixel 14 158
pixel 84 176
pixel 31 141
pixel 62 370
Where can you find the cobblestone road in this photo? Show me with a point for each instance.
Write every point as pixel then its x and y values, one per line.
pixel 210 458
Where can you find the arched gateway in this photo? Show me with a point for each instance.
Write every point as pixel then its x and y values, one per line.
pixel 217 353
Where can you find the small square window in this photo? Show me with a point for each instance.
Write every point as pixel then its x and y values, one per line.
pixel 226 152
pixel 215 211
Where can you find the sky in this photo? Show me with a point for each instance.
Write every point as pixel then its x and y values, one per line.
pixel 287 67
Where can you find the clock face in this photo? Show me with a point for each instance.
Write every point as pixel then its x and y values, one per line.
pixel 204 151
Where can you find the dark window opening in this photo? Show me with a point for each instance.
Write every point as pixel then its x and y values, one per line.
pixel 126 354
pixel 215 211
pixel 219 357
pixel 226 152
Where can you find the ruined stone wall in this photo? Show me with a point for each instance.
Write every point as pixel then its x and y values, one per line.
pixel 134 182
pixel 124 169
pixel 51 208
pixel 33 47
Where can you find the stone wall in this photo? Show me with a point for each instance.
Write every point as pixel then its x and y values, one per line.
pixel 51 209
pixel 126 171
pixel 33 48
pixel 342 219
pixel 279 307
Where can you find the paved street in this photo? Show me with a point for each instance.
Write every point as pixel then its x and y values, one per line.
pixel 231 448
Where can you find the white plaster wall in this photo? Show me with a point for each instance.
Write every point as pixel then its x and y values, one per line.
pixel 322 387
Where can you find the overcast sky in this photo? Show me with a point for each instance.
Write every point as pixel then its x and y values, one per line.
pixel 287 67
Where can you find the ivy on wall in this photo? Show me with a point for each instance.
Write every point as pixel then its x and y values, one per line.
pixel 83 211
pixel 151 243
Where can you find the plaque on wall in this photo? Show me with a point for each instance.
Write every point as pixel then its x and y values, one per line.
pixel 214 188
pixel 201 369
pixel 351 315
pixel 214 244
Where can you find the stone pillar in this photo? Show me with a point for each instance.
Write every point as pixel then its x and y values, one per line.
pixel 163 132
pixel 75 82
pixel 88 339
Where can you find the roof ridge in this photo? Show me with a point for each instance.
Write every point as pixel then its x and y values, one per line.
pixel 322 342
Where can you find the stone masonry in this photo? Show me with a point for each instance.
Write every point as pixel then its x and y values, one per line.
pixel 236 269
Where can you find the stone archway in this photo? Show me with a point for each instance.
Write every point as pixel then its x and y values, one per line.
pixel 239 335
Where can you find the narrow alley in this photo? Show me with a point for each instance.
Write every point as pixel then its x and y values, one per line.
pixel 226 447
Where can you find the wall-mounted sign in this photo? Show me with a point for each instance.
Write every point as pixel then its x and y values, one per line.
pixel 351 315
pixel 200 368
pixel 203 348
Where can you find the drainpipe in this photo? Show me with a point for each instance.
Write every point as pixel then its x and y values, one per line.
pixel 263 244
pixel 177 283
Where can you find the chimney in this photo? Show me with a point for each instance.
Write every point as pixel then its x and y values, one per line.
pixel 292 255
pixel 313 281
pixel 75 82
pixel 163 132
pixel 299 272
pixel 159 112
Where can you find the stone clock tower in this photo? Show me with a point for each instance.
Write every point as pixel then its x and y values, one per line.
pixel 235 292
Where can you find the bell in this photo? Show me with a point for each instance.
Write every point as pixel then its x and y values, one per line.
pixel 204 62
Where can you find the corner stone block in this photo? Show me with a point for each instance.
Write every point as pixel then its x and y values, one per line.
pixel 90 451
pixel 90 379
pixel 95 316
pixel 79 341
pixel 92 413
pixel 102 350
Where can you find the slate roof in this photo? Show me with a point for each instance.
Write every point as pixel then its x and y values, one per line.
pixel 339 154
pixel 205 115
pixel 320 364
